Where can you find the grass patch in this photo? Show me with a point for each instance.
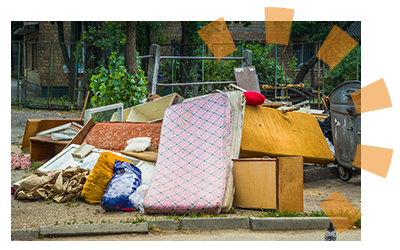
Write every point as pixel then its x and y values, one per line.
pixel 191 215
pixel 275 213
pixel 34 166
pixel 73 203
pixel 134 220
pixel 288 213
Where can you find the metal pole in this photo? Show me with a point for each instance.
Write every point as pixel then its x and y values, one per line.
pixel 276 65
pixel 202 63
pixel 26 72
pixel 319 88
pixel 210 87
pixel 173 54
pixel 52 74
pixel 19 69
pixel 48 84
pixel 76 73
pixel 357 60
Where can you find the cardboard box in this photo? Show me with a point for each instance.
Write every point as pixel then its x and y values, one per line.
pixel 269 183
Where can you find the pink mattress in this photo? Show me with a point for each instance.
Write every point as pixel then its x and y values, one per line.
pixel 193 158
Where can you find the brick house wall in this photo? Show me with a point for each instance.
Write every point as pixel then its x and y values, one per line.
pixel 38 78
pixel 48 34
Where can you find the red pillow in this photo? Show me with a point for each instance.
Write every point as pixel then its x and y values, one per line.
pixel 254 98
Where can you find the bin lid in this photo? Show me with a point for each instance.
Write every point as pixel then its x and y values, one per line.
pixel 341 94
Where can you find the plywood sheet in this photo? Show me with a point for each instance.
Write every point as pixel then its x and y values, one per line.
pixel 290 183
pixel 270 132
pixel 246 78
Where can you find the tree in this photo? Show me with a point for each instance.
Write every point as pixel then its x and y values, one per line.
pixel 76 29
pixel 14 26
pixel 313 60
pixel 92 53
pixel 184 52
pixel 131 48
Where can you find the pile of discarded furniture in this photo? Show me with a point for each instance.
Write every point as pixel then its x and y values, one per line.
pixel 172 155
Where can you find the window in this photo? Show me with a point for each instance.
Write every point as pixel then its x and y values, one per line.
pixel 33 56
pixel 298 53
pixel 303 52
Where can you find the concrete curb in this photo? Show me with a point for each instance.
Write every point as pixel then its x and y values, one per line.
pixel 215 223
pixel 24 234
pixel 93 229
pixel 201 224
pixel 166 225
pixel 295 223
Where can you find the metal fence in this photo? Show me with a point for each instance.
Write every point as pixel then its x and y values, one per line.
pixel 154 66
pixel 40 68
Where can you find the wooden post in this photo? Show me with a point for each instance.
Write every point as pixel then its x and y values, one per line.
pixel 248 55
pixel 154 64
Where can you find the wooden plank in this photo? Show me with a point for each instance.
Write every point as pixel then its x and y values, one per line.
pixel 80 137
pixel 31 129
pixel 246 78
pixel 47 139
pixel 147 156
pixel 46 124
pixel 290 183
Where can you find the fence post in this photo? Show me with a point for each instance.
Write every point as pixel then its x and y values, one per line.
pixel 248 55
pixel 154 64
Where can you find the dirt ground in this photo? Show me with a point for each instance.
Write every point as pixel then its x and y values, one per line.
pixel 32 214
pixel 27 214
pixel 19 118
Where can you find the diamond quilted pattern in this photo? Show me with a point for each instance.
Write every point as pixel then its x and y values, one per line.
pixel 193 158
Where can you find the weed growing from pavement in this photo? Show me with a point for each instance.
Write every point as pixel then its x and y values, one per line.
pixel 73 203
pixel 191 215
pixel 135 220
pixel 288 213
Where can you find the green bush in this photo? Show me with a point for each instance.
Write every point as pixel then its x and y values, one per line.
pixel 265 66
pixel 344 71
pixel 117 85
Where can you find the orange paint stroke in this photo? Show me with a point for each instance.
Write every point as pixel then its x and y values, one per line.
pixel 375 160
pixel 278 24
pixel 218 38
pixel 375 96
pixel 336 47
pixel 340 211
